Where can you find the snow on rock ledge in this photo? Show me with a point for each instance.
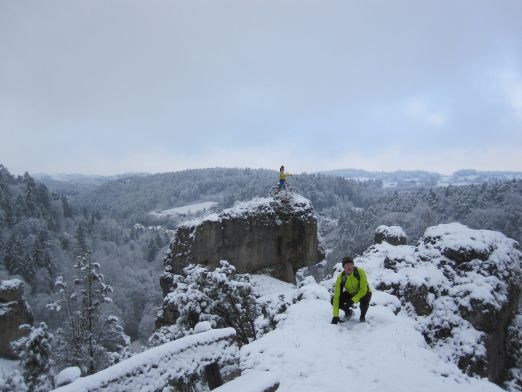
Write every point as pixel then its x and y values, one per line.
pixel 462 244
pixel 462 285
pixel 393 235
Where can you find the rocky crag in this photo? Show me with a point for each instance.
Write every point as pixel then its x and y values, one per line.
pixel 463 287
pixel 278 235
pixel 14 312
pixel 266 235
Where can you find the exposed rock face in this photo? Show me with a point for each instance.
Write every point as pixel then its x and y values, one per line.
pixel 393 235
pixel 514 353
pixel 463 287
pixel 277 235
pixel 14 312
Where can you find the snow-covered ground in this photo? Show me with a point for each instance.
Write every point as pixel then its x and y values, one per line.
pixel 389 184
pixel 186 210
pixel 308 354
pixel 270 287
pixel 7 366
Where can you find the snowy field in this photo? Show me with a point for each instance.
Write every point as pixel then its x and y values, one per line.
pixel 186 210
pixel 307 353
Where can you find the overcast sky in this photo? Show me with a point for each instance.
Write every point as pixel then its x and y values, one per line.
pixel 109 86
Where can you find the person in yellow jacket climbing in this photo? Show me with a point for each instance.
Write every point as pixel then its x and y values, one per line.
pixel 351 287
pixel 282 177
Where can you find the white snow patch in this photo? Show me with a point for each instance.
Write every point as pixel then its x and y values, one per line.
pixel 391 231
pixel 267 286
pixel 186 209
pixel 458 236
pixel 68 375
pixel 8 366
pixel 202 326
pixel 11 284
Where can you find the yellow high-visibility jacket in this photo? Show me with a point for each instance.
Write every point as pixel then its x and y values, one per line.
pixel 358 288
pixel 282 176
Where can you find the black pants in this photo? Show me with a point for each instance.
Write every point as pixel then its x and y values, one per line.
pixel 345 302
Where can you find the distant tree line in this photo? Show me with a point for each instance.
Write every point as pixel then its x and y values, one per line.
pixel 133 198
pixel 493 206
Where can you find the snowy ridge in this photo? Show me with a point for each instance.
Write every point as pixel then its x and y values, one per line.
pixel 152 369
pixel 390 353
pixel 308 354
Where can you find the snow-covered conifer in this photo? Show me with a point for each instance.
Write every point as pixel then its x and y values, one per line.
pixel 34 351
pixel 222 297
pixel 90 338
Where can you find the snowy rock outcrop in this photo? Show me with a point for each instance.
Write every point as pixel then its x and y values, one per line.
pixel 463 287
pixel 393 235
pixel 14 312
pixel 277 235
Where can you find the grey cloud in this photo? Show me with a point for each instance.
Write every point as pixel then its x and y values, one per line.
pixel 114 77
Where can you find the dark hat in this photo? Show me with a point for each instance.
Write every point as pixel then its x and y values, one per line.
pixel 347 259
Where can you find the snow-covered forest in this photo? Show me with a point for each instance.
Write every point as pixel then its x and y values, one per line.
pixel 70 234
pixel 41 226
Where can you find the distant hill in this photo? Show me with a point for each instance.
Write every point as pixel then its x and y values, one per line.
pixel 399 178
pixel 134 198
pixel 414 178
pixel 469 176
pixel 72 185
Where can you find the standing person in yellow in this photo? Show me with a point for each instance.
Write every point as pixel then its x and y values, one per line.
pixel 282 177
pixel 351 287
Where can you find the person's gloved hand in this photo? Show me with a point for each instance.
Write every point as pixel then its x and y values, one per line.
pixel 335 320
pixel 349 303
